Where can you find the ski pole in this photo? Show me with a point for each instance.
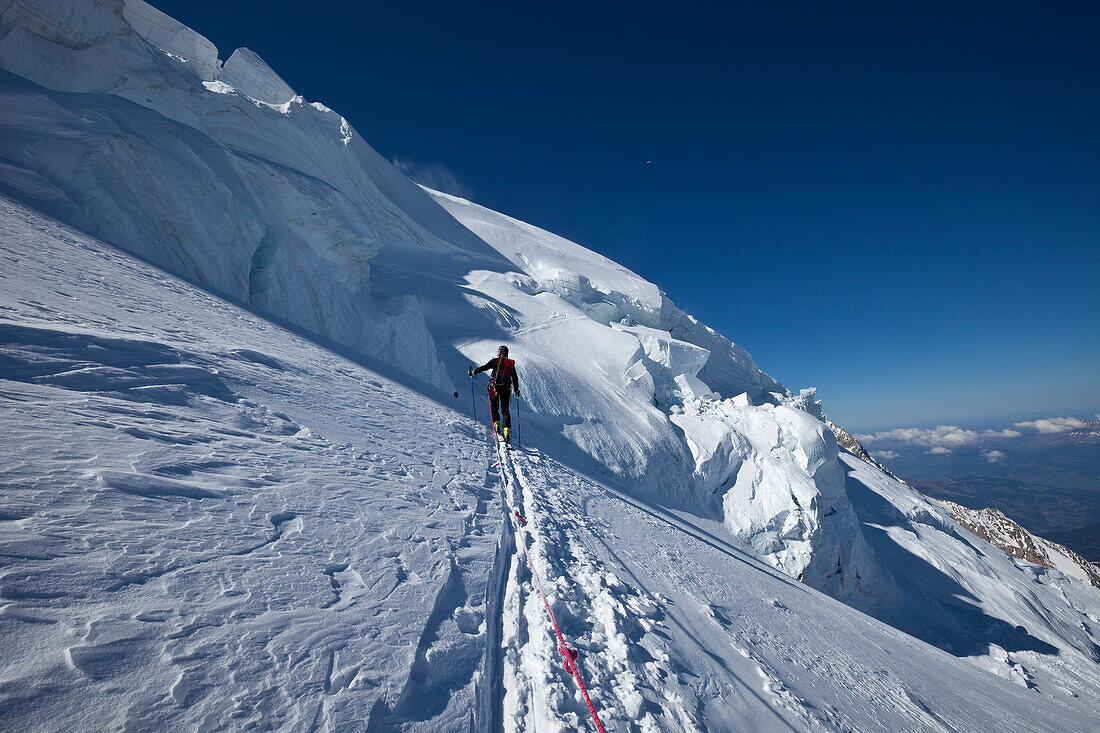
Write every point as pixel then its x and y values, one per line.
pixel 473 399
pixel 519 424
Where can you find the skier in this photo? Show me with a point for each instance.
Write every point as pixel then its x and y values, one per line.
pixel 501 383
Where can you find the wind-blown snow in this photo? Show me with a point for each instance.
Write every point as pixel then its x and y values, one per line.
pixel 199 500
pixel 250 75
pixel 209 522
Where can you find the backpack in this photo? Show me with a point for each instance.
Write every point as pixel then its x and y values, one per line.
pixel 505 369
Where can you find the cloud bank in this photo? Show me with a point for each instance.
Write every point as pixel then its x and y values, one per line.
pixel 1053 424
pixel 943 439
pixel 941 436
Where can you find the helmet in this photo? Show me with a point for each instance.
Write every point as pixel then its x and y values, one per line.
pixel 502 351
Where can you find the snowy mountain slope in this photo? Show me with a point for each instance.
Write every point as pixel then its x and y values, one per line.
pixel 140 138
pixel 680 631
pixel 969 597
pixel 273 201
pixel 770 474
pixel 212 522
pixel 124 123
pixel 655 416
pixel 208 521
pixel 994 527
pixel 607 292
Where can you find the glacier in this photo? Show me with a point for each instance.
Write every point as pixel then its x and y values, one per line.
pixel 240 492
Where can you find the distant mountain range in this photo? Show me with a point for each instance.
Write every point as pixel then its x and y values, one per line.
pixel 1047 481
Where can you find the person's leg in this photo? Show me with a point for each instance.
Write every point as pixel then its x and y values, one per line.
pixel 506 416
pixel 494 410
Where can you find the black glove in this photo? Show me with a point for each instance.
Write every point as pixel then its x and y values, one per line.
pixel 470 371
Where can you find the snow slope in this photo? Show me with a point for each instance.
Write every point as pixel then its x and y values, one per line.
pixel 175 435
pixel 122 122
pixel 765 471
pixel 211 521
pixel 671 407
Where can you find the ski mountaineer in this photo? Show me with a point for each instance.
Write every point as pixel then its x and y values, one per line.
pixel 502 381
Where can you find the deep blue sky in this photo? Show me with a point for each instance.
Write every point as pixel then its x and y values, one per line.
pixel 899 205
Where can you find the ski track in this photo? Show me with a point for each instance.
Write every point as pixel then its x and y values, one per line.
pixel 667 643
pixel 620 629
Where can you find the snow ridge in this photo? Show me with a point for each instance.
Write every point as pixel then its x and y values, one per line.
pixel 249 191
